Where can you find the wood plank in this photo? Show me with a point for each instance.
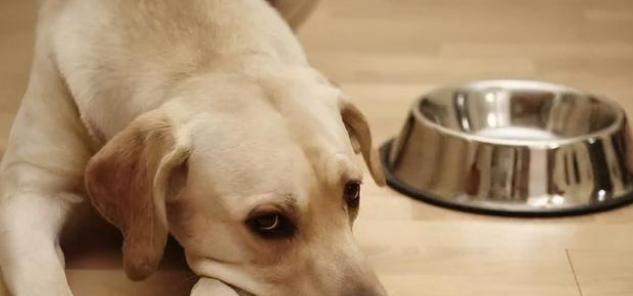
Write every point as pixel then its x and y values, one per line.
pixel 114 283
pixel 464 271
pixel 604 273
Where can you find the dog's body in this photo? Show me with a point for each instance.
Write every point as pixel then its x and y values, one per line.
pixel 164 109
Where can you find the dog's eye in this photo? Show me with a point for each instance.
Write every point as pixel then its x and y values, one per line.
pixel 271 226
pixel 351 193
pixel 267 223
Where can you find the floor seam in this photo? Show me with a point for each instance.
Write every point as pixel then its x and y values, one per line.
pixel 573 271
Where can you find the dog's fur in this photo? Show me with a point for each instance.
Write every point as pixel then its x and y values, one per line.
pixel 184 118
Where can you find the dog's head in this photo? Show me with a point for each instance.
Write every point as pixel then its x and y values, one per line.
pixel 256 178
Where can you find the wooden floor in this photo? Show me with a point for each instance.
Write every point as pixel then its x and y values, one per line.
pixel 384 53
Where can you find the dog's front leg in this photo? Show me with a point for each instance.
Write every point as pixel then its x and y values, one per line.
pixel 32 262
pixel 41 170
pixel 212 287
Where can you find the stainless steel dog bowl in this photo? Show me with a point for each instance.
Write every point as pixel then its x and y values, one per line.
pixel 513 148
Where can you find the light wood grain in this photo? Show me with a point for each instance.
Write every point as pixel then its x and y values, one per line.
pixel 115 283
pixel 384 54
pixel 604 273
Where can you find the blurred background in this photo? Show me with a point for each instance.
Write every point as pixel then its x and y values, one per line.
pixel 386 53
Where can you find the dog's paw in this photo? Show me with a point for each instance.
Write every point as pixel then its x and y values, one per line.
pixel 212 287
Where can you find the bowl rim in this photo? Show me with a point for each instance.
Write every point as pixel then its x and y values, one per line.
pixel 618 122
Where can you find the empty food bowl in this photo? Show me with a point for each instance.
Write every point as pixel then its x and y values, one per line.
pixel 513 148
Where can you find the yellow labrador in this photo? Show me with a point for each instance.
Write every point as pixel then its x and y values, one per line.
pixel 199 119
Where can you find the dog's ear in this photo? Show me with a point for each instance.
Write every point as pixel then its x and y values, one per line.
pixel 129 181
pixel 360 136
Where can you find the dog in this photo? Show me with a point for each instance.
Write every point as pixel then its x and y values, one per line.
pixel 201 120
